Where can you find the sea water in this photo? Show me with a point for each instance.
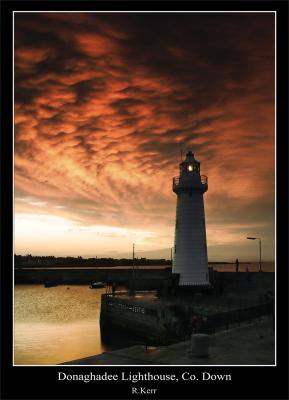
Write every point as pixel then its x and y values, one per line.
pixel 56 324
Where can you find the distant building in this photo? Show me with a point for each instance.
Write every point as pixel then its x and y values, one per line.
pixel 190 258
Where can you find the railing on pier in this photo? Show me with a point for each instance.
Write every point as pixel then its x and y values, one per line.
pixel 232 318
pixel 125 293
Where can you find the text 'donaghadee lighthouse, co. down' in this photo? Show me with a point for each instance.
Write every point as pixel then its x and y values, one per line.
pixel 190 252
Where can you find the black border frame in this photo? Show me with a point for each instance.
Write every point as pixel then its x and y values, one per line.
pixel 247 382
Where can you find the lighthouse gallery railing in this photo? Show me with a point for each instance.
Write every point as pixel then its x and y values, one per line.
pixel 176 180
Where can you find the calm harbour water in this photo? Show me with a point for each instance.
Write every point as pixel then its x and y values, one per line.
pixel 56 324
pixel 61 323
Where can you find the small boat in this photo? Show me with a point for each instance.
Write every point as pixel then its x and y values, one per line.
pixel 97 285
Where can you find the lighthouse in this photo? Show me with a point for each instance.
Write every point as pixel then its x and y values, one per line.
pixel 190 251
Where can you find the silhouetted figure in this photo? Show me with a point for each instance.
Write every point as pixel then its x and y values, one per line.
pixel 237 265
pixel 196 323
pixel 113 288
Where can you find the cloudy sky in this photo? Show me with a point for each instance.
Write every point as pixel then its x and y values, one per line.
pixel 103 104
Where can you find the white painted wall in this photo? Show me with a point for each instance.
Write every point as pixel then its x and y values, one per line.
pixel 190 252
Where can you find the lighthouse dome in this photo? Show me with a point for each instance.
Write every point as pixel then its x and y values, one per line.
pixel 191 158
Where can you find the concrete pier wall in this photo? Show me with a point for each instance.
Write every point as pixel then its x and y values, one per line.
pixel 150 278
pixel 225 283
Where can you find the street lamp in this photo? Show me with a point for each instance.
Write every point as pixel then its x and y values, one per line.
pixel 260 247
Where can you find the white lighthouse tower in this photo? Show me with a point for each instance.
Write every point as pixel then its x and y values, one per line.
pixel 190 252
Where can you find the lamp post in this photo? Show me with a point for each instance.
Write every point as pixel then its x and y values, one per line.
pixel 132 280
pixel 260 250
pixel 133 258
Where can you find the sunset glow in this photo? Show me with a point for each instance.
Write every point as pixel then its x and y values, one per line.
pixel 103 105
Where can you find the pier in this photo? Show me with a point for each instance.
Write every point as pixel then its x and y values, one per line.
pixel 249 344
pixel 166 319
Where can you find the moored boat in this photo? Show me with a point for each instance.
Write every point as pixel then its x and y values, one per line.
pixel 97 285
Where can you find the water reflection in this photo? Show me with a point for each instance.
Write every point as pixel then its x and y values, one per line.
pixel 57 324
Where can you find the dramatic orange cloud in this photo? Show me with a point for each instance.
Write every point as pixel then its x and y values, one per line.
pixel 103 104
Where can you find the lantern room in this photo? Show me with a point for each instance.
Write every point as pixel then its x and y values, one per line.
pixel 189 165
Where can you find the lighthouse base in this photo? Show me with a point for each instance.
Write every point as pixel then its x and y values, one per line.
pixel 189 289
